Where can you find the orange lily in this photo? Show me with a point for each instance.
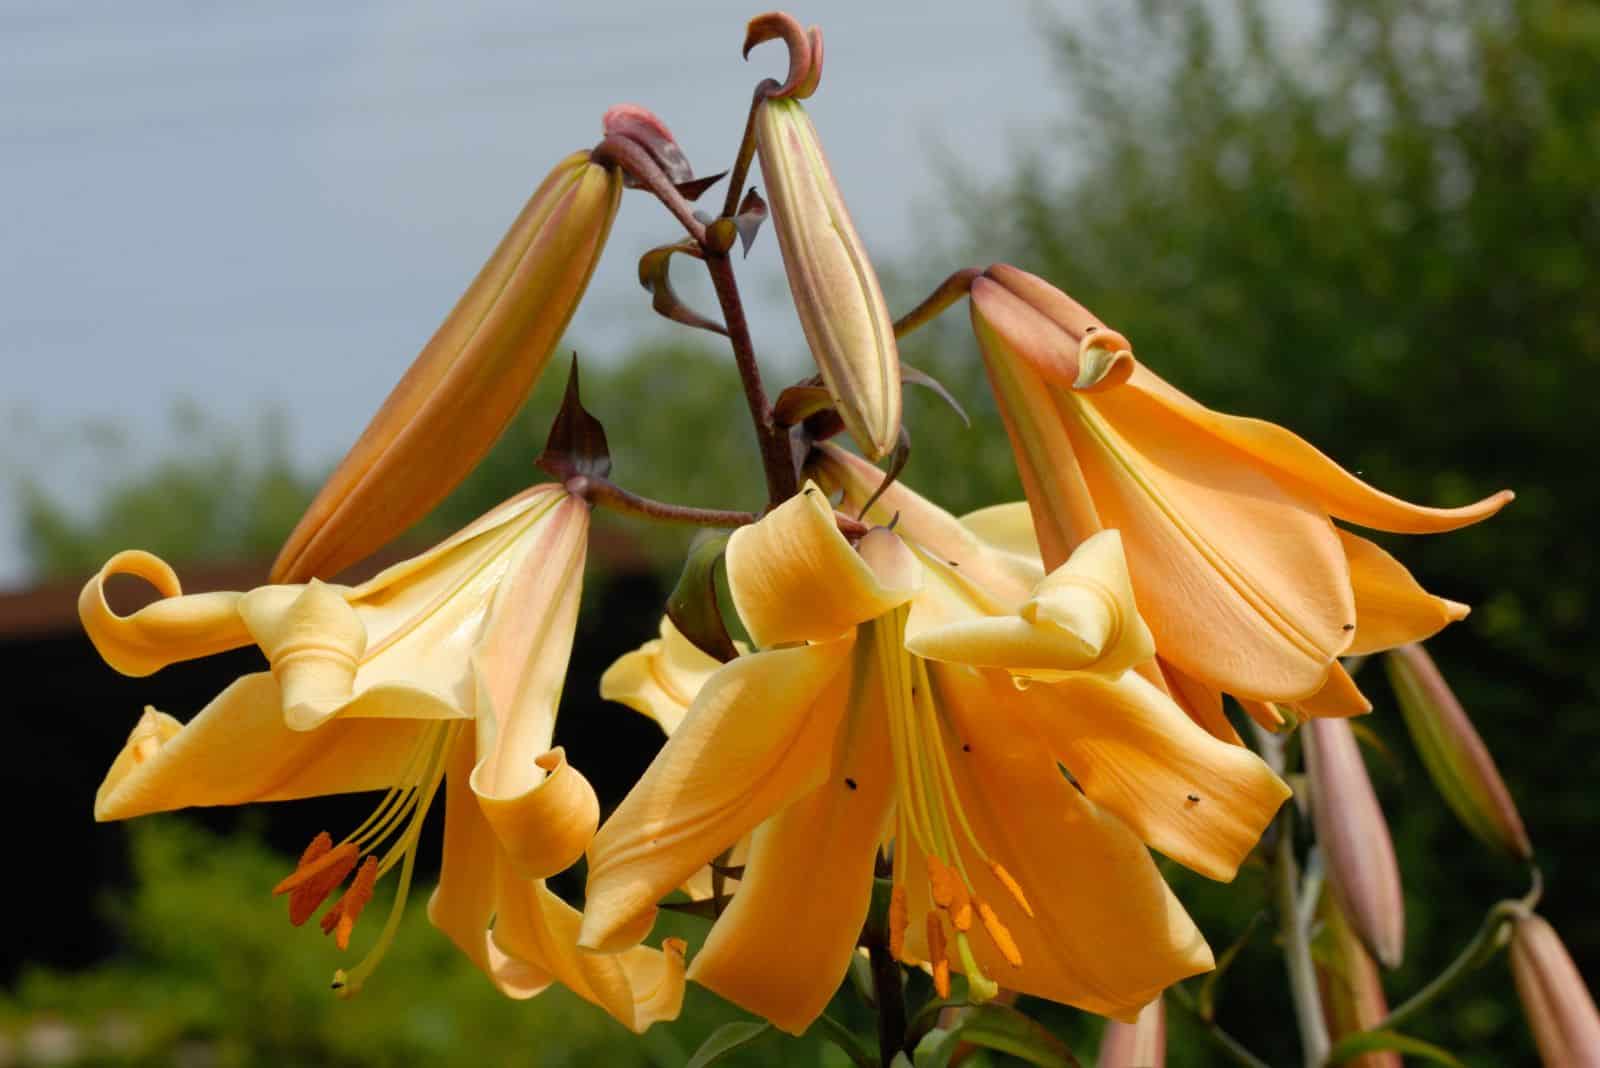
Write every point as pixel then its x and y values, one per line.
pixel 1245 581
pixel 445 666
pixel 882 707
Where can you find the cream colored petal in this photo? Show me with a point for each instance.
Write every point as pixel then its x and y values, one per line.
pixel 784 944
pixel 1294 460
pixel 545 828
pixel 1107 934
pixel 638 987
pixel 795 578
pixel 1201 801
pixel 1391 608
pixel 175 628
pixel 463 905
pixel 239 750
pixel 661 678
pixel 1007 527
pixel 1242 580
pixel 759 735
pixel 1080 618
pixel 1339 698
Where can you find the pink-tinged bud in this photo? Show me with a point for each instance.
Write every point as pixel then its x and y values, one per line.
pixel 1355 839
pixel 1141 1044
pixel 1352 990
pixel 1558 1006
pixel 1455 756
pixel 835 289
pixel 1056 335
pixel 470 379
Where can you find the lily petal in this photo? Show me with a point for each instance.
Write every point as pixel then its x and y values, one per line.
pixel 1391 608
pixel 661 677
pixel 759 735
pixel 1339 698
pixel 175 628
pixel 808 880
pixel 1242 580
pixel 795 578
pixel 1049 837
pixel 1295 461
pixel 239 750
pixel 1202 702
pixel 1201 801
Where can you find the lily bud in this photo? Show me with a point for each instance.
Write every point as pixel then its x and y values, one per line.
pixel 1141 1044
pixel 1455 756
pixel 835 289
pixel 1355 839
pixel 470 379
pixel 1559 1008
pixel 1352 991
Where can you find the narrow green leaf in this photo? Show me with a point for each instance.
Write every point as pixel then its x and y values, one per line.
pixel 1372 1041
pixel 858 1051
pixel 996 1027
pixel 1206 1001
pixel 692 605
pixel 725 1039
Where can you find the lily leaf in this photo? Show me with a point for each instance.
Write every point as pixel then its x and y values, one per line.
pixel 752 213
pixel 1372 1041
pixel 692 605
pixel 897 464
pixel 922 378
pixel 654 276
pixel 996 1027
pixel 725 1039
pixel 847 1040
pixel 1206 1001
pixel 577 441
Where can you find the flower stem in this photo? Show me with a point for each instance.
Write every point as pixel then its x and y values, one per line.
pixel 888 987
pixel 950 290
pixel 609 495
pixel 1226 1042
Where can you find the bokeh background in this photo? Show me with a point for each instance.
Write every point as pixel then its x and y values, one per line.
pixel 228 231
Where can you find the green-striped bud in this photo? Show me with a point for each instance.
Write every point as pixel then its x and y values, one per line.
pixel 1558 1006
pixel 835 289
pixel 1455 756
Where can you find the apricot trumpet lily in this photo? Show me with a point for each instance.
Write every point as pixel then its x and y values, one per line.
pixel 447 666
pixel 858 721
pixel 1245 581
pixel 468 381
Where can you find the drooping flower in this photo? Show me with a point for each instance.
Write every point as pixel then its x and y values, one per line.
pixel 448 666
pixel 1245 581
pixel 468 381
pixel 884 705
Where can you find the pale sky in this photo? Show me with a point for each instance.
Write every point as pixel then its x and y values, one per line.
pixel 273 206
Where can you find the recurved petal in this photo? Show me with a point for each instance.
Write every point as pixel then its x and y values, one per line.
pixel 795 578
pixel 782 947
pixel 1293 460
pixel 1107 934
pixel 1201 801
pixel 759 735
pixel 1339 698
pixel 661 678
pixel 1391 608
pixel 239 750
pixel 1202 702
pixel 175 628
pixel 638 986
pixel 1242 580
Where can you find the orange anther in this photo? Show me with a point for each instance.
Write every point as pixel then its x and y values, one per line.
pixel 938 956
pixel 999 935
pixel 321 869
pixel 1012 887
pixel 949 892
pixel 899 920
pixel 341 919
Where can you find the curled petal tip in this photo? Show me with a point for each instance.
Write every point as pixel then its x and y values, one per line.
pixel 805 53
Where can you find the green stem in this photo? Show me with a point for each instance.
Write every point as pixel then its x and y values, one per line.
pixel 1297 950
pixel 1225 1042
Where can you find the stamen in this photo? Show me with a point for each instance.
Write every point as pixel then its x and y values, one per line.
pixel 999 935
pixel 320 871
pixel 980 987
pixel 938 955
pixel 341 919
pixel 899 920
pixel 1005 880
pixel 949 892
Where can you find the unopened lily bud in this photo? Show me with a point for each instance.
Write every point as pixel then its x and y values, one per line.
pixel 1352 991
pixel 470 379
pixel 1141 1044
pixel 1355 839
pixel 1037 323
pixel 1558 1006
pixel 1455 756
pixel 835 289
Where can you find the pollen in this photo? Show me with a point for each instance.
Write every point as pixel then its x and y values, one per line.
pixel 999 935
pixel 1004 878
pixel 321 869
pixel 899 920
pixel 341 919
pixel 938 955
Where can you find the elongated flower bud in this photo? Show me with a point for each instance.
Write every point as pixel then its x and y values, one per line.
pixel 469 380
pixel 1559 1008
pixel 835 289
pixel 1456 758
pixel 1355 839
pixel 1352 991
pixel 1141 1044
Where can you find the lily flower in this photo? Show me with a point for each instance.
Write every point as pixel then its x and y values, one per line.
pixel 447 666
pixel 1244 579
pixel 884 707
